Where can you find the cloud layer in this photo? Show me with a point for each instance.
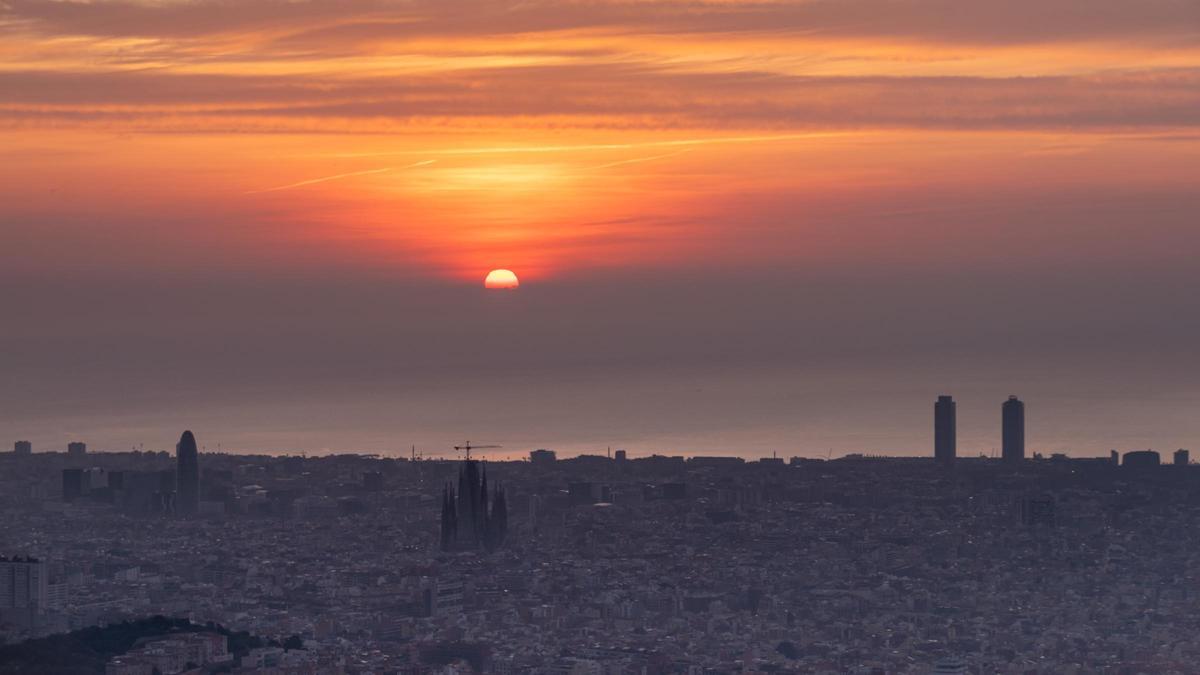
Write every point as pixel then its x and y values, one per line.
pixel 379 66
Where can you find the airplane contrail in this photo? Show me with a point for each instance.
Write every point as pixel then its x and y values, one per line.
pixel 340 176
pixel 639 159
pixel 685 142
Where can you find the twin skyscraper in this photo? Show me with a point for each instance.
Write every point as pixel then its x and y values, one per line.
pixel 945 430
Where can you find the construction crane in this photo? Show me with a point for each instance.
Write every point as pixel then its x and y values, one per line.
pixel 468 448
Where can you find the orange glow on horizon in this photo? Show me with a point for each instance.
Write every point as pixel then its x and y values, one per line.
pixel 563 137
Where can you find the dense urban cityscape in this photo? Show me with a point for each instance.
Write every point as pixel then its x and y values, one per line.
pixel 602 564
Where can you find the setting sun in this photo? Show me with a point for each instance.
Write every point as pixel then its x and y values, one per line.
pixel 501 279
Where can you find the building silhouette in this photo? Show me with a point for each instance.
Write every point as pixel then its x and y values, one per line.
pixel 944 430
pixel 445 598
pixel 468 521
pixel 1181 457
pixel 23 448
pixel 72 484
pixel 1141 459
pixel 187 475
pixel 76 449
pixel 582 492
pixel 23 590
pixel 1012 415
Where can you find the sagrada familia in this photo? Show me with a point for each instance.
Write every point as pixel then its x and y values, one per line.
pixel 468 523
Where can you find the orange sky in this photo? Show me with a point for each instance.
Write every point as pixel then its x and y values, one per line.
pixel 552 137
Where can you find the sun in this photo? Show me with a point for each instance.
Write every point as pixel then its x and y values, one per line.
pixel 501 279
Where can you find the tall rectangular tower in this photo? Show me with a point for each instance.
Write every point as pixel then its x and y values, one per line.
pixel 1012 430
pixel 945 446
pixel 72 484
pixel 23 590
pixel 187 472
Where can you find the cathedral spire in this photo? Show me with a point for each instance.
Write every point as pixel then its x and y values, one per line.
pixel 449 519
pixel 473 519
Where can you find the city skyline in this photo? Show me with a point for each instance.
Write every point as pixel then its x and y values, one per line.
pixel 348 564
pixel 944 448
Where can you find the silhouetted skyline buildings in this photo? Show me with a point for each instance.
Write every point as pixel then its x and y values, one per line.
pixel 1012 430
pixel 593 538
pixel 1141 459
pixel 944 430
pixel 180 487
pixel 72 484
pixel 187 470
pixel 24 590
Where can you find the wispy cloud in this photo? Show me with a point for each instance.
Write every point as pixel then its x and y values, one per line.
pixel 355 22
pixel 325 179
pixel 585 147
pixel 638 160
